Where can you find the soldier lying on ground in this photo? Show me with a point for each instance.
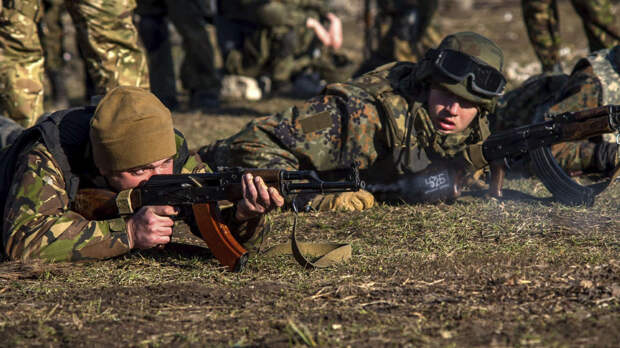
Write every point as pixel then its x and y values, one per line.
pixel 402 117
pixel 123 142
pixel 395 120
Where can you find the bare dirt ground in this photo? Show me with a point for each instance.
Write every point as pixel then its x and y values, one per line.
pixel 480 272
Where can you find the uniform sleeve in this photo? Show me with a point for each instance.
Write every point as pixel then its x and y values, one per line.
pixel 38 222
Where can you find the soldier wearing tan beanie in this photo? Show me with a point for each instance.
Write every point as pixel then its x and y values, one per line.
pixel 123 142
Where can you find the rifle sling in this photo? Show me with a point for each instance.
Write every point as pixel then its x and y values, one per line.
pixel 324 254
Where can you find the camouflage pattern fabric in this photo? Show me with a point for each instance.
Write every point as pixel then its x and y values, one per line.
pixel 21 62
pixel 542 23
pixel 270 38
pixel 593 83
pixel 109 42
pixel 191 18
pixel 106 35
pixel 365 120
pixel 38 222
pixel 392 46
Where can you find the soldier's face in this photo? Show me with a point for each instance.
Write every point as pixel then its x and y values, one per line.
pixel 449 112
pixel 133 177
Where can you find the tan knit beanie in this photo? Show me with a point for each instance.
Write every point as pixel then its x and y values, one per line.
pixel 131 128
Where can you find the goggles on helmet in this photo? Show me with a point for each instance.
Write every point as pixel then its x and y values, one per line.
pixel 485 79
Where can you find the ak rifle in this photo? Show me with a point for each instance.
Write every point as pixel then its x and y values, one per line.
pixel 442 181
pixel 197 196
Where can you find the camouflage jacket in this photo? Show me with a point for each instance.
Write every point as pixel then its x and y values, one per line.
pixel 408 131
pixel 379 120
pixel 38 221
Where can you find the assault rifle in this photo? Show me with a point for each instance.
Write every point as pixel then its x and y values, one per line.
pixel 443 182
pixel 197 196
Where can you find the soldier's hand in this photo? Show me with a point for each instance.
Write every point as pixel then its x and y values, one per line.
pixel 335 30
pixel 151 226
pixel 257 198
pixel 331 37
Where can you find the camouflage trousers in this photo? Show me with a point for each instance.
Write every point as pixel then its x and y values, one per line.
pixel 21 62
pixel 542 23
pixel 107 38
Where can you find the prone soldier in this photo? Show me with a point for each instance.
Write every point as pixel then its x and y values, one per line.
pixel 395 120
pixel 121 143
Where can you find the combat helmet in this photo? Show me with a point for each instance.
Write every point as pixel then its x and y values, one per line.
pixel 468 65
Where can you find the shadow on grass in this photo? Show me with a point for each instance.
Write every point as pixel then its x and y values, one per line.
pixel 179 250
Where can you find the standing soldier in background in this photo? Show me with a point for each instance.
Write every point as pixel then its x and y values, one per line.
pixel 542 22
pixel 107 38
pixel 404 32
pixel 192 19
pixel 51 33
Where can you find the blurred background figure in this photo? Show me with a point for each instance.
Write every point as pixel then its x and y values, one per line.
pixel 107 38
pixel 283 42
pixel 51 31
pixel 401 30
pixel 542 23
pixel 193 19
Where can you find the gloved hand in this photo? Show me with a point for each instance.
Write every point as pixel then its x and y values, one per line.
pixel 348 201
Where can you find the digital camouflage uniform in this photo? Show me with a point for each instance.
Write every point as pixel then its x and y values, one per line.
pixel 192 19
pixel 399 39
pixel 542 22
pixel 364 120
pixel 595 81
pixel 106 35
pixel 271 38
pixel 39 223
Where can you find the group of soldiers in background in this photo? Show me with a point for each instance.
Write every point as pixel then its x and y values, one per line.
pixel 271 43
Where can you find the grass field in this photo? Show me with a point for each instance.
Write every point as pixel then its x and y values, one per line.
pixel 521 271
